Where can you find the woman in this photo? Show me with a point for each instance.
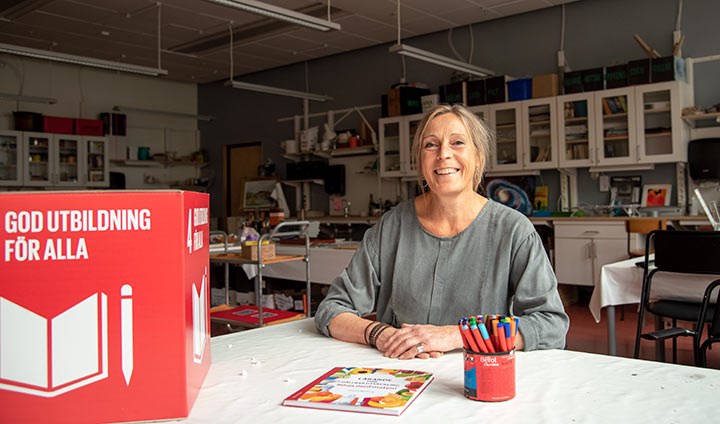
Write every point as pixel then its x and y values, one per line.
pixel 446 254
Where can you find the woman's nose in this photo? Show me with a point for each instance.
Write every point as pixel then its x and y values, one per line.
pixel 444 150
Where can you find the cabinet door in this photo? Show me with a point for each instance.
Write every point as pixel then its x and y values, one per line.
pixel 574 262
pixel 390 144
pixel 576 130
pixel 539 123
pixel 96 162
pixel 66 160
pixel 410 126
pixel 615 126
pixel 11 158
pixel 39 150
pixel 660 133
pixel 505 120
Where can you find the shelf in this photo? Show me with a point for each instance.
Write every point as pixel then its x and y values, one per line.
pixel 156 163
pixel 705 119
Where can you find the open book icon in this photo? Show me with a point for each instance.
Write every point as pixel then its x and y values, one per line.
pixel 50 356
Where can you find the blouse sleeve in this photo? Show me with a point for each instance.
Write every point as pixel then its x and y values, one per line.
pixel 355 289
pixel 536 301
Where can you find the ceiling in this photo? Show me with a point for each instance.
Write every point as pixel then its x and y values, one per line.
pixel 194 34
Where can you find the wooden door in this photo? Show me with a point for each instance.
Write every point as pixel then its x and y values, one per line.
pixel 241 164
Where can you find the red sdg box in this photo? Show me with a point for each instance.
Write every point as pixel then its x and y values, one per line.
pixel 103 305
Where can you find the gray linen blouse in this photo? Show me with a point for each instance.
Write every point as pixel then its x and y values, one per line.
pixel 497 265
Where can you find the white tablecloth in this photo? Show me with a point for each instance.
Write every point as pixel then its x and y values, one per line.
pixel 621 284
pixel 554 386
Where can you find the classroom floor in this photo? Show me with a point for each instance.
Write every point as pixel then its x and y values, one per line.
pixel 586 335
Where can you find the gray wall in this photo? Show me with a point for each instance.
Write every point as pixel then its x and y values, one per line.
pixel 597 33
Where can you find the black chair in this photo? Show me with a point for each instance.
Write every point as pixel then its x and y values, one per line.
pixel 690 252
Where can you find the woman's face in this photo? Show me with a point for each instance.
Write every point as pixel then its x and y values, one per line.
pixel 448 156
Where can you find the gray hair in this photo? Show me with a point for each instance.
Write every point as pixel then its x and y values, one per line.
pixel 480 134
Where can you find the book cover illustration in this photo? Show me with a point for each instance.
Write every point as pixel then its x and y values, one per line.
pixel 356 389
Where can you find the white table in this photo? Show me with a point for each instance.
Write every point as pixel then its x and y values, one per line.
pixel 621 284
pixel 554 386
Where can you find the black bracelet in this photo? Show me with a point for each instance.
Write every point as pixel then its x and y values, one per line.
pixel 377 336
pixel 365 333
pixel 375 332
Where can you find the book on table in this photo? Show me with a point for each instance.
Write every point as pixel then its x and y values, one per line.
pixel 372 390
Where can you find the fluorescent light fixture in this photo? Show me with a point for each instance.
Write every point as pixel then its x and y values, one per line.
pixel 80 60
pixel 437 59
pixel 622 168
pixel 276 90
pixel 276 12
pixel 27 99
pixel 163 112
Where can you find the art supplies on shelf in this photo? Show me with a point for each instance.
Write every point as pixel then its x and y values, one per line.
pixel 356 389
pixel 488 333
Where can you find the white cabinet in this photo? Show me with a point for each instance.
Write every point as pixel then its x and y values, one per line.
pixel 11 158
pixel 624 126
pixel 396 136
pixel 59 160
pixel 582 248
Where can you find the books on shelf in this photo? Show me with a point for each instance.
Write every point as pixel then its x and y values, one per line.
pixel 356 389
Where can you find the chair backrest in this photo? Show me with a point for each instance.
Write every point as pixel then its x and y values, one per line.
pixel 694 252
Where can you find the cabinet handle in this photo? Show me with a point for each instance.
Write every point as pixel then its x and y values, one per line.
pixel 590 233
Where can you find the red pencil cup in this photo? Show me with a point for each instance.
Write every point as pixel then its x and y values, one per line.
pixel 489 377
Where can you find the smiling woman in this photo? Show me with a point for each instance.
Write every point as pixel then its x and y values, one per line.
pixel 446 254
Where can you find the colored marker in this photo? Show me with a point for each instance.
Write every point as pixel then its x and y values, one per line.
pixel 508 336
pixel 462 336
pixel 469 337
pixel 501 337
pixel 477 336
pixel 486 339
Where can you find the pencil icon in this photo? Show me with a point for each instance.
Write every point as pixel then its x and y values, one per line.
pixel 126 331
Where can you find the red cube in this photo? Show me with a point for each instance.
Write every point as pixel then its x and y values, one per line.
pixel 104 306
pixel 57 125
pixel 88 127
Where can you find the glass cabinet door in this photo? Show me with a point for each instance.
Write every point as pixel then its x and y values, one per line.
pixel 10 158
pixel 576 132
pixel 390 164
pixel 96 162
pixel 413 122
pixel 68 162
pixel 506 123
pixel 38 154
pixel 616 124
pixel 659 127
pixel 540 133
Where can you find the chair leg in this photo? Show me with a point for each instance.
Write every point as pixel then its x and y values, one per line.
pixel 641 317
pixel 674 344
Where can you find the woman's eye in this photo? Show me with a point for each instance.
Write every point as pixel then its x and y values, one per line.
pixel 458 142
pixel 429 145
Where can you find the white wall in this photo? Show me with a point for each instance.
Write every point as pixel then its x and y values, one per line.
pixel 83 92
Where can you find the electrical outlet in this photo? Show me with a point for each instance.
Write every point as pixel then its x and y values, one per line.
pixel 604 183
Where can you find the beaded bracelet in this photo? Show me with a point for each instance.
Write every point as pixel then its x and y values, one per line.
pixel 377 336
pixel 365 333
pixel 375 332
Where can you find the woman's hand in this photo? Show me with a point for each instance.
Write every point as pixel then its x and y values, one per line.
pixel 419 341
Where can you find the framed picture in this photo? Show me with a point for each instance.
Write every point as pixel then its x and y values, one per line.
pixel 656 195
pixel 258 194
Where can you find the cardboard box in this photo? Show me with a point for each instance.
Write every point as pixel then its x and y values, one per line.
pixel 593 79
pixel 250 250
pixel 88 127
pixel 103 305
pixel 669 68
pixel 545 86
pixel 616 76
pixel 496 89
pixel 572 82
pixel 476 92
pixel 454 93
pixel 405 100
pixel 57 125
pixel 430 101
pixel 638 71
